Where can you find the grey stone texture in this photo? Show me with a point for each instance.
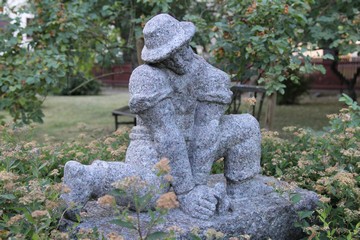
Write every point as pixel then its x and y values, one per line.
pixel 264 211
pixel 180 101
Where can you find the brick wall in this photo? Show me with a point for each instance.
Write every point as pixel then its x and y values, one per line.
pixel 347 67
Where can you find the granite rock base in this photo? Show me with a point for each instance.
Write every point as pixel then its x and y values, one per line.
pixel 263 211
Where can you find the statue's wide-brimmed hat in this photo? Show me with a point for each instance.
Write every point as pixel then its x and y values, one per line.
pixel 164 35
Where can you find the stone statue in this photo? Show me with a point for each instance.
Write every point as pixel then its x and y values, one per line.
pixel 180 101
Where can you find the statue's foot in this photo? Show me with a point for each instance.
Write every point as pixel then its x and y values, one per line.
pixel 259 189
pixel 258 186
pixel 78 182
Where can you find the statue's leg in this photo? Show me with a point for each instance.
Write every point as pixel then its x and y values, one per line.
pixel 241 148
pixel 78 182
pixel 86 182
pixel 92 181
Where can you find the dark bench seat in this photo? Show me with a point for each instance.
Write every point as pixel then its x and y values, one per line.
pixel 123 111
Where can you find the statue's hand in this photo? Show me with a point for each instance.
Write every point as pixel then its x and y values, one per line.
pixel 200 202
pixel 224 203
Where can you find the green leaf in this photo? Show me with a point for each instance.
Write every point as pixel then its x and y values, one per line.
pixel 122 223
pixel 295 198
pixel 193 237
pixel 144 200
pixel 156 236
pixel 118 193
pixel 8 196
pixel 22 101
pixel 35 236
pixel 258 28
pixel 30 80
pixel 305 214
pixel 278 171
pixel 43 165
pixel 328 56
pixel 321 69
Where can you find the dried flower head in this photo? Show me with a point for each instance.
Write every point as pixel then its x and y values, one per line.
pixel 106 200
pixel 30 145
pixel 169 178
pixel 15 219
pixel 65 189
pixel 163 166
pixel 50 205
pixel 109 140
pixel 245 237
pixel 351 152
pixel 10 186
pixel 251 101
pixel 175 229
pixel 220 160
pixel 211 233
pixel 40 213
pixel 36 194
pixel 325 199
pixel 57 235
pixel 345 178
pixel 8 176
pixel 195 230
pixel 131 184
pixel 115 236
pixel 82 136
pixel 54 172
pixel 121 131
pixel 332 169
pixel 167 201
pixel 85 231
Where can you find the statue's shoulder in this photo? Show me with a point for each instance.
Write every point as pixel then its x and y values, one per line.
pixel 209 70
pixel 214 85
pixel 148 85
pixel 146 74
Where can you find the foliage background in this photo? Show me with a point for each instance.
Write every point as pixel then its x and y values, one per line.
pixel 258 41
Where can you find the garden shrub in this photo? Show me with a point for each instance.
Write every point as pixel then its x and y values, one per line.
pixel 30 179
pixel 294 90
pixel 327 163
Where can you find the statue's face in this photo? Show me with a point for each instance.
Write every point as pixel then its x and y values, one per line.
pixel 177 62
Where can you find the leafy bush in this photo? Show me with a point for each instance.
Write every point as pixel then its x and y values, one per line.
pixel 30 179
pixel 294 90
pixel 327 163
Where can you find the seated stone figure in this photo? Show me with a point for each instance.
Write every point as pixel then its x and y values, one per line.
pixel 180 101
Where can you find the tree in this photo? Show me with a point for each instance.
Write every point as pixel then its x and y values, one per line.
pixel 261 42
pixel 334 27
pixel 264 42
pixel 68 38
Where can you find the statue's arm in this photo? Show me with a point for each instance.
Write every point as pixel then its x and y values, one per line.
pixel 206 139
pixel 214 95
pixel 170 143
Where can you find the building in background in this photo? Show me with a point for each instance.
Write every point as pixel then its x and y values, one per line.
pixel 12 9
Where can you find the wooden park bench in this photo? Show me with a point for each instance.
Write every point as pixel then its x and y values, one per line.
pixel 123 111
pixel 234 107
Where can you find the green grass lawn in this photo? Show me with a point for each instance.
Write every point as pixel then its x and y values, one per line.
pixel 67 117
pixel 310 113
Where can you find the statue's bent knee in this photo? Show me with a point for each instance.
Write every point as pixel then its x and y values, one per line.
pixel 243 147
